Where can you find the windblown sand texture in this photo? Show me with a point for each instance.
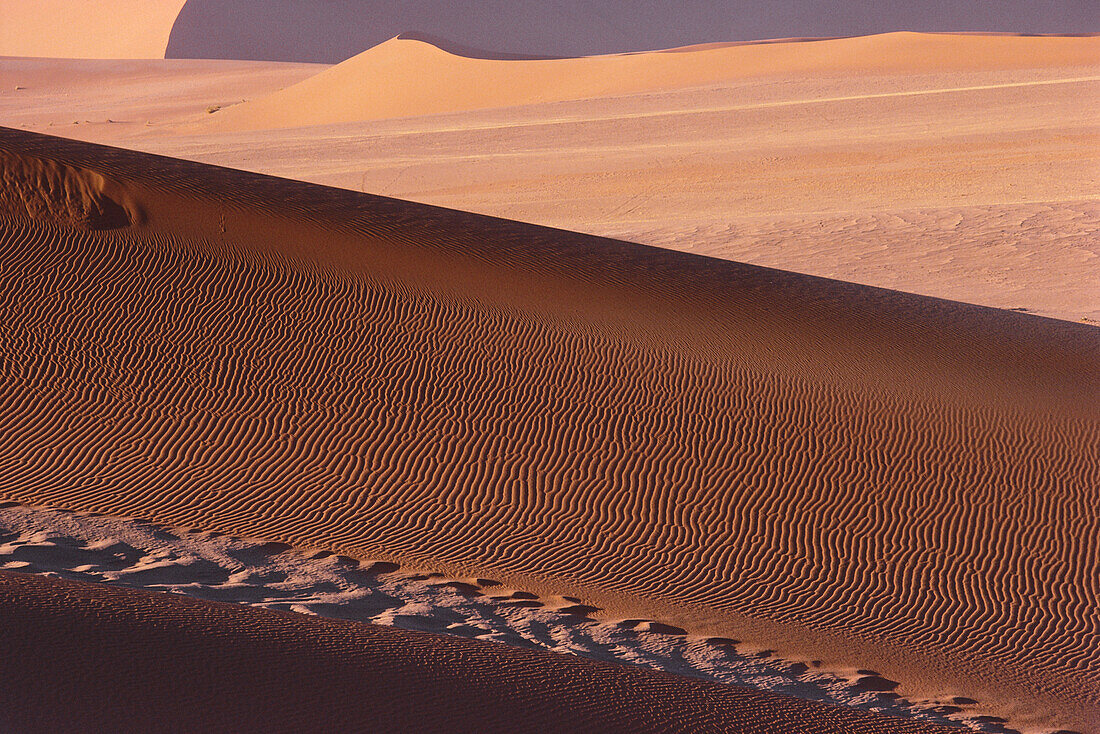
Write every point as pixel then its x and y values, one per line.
pixel 726 444
pixel 208 565
pixel 179 664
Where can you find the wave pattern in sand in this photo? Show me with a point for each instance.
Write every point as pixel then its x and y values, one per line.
pixel 595 433
pixel 275 576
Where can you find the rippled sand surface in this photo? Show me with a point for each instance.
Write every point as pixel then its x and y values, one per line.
pixel 836 470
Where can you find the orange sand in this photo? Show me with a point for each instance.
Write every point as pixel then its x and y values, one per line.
pixel 411 78
pixel 961 167
pixel 103 29
pixel 900 480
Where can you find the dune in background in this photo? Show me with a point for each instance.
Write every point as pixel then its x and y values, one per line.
pixel 927 164
pixel 854 472
pixel 412 78
pixel 79 29
pixel 286 30
pixel 335 30
pixel 94 658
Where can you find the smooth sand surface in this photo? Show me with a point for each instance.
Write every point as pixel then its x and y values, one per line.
pixel 412 78
pixel 92 658
pixel 838 470
pixel 961 167
pixel 83 29
pixel 334 30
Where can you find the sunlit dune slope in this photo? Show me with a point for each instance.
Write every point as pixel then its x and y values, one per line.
pixel 97 658
pixel 207 347
pixel 409 78
pixel 83 29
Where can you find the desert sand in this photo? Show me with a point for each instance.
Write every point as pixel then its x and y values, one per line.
pixel 835 472
pixel 923 163
pixel 406 77
pixel 751 384
pixel 132 661
pixel 335 30
pixel 208 565
pixel 78 29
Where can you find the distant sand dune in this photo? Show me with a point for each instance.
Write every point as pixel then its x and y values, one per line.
pixel 393 380
pixel 78 29
pixel 289 30
pixel 335 30
pixel 405 77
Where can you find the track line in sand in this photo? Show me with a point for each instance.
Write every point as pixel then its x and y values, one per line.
pixel 139 554
pixel 547 121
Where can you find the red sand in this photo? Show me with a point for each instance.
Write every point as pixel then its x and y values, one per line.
pixel 720 445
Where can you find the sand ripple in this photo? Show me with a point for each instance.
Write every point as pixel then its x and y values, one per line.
pixel 390 380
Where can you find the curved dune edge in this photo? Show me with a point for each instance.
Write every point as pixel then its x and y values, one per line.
pixel 405 77
pixel 733 445
pixel 215 567
pixel 94 658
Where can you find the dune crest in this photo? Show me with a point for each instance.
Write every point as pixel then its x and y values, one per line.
pixel 404 77
pixel 734 444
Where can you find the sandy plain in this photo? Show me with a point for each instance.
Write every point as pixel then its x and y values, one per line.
pixel 863 484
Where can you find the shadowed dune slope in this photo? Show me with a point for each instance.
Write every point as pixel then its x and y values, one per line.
pixel 294 30
pixel 95 658
pixel 407 77
pixel 282 360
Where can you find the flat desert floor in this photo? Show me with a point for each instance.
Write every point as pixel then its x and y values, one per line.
pixel 766 368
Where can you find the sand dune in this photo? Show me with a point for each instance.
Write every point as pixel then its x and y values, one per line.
pixel 852 471
pixel 104 29
pixel 286 30
pixel 404 77
pixel 952 184
pixel 217 567
pixel 330 32
pixel 179 664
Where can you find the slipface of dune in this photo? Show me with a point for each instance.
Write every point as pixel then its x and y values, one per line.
pixel 94 658
pixel 853 470
pixel 410 78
